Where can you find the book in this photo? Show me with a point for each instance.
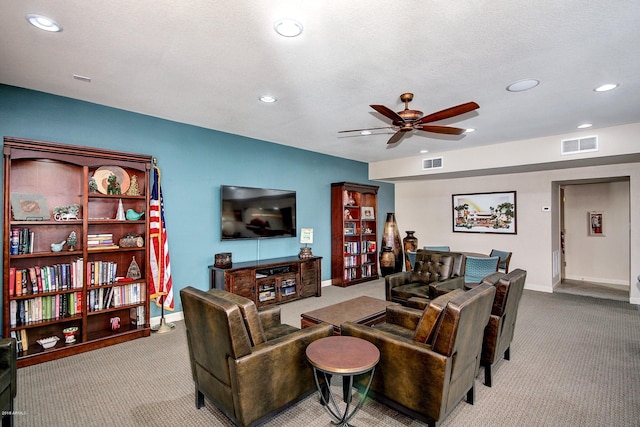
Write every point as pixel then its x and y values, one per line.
pixel 15 242
pixel 12 281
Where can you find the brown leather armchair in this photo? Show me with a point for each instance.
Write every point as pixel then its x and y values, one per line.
pixel 499 331
pixel 429 359
pixel 245 361
pixel 8 379
pixel 433 274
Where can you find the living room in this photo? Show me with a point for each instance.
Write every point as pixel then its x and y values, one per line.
pixel 196 162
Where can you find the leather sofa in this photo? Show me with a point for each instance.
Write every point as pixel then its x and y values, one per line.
pixel 8 379
pixel 499 331
pixel 244 361
pixel 429 359
pixel 434 273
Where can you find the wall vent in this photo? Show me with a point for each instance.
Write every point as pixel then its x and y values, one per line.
pixel 579 145
pixel 434 163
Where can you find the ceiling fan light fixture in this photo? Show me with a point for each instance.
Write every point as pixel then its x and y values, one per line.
pixel 288 27
pixel 522 85
pixel 469 130
pixel 606 87
pixel 365 132
pixel 44 23
pixel 267 99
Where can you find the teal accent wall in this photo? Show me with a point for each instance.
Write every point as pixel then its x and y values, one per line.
pixel 194 162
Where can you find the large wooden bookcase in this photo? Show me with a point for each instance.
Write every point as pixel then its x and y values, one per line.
pixel 354 231
pixel 84 288
pixel 270 281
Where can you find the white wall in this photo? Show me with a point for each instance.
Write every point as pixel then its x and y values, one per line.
pixel 597 258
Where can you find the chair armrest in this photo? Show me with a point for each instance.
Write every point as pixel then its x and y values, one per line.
pixel 418 302
pixel 397 279
pixel 277 368
pixel 270 317
pixel 440 288
pixel 406 317
pixel 8 361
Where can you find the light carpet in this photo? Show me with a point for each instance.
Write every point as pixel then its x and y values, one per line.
pixel 574 361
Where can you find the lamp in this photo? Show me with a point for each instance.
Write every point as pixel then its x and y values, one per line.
pixel 306 237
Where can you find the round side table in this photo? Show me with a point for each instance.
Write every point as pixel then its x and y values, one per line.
pixel 345 356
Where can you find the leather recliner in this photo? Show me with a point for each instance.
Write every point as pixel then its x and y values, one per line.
pixel 434 273
pixel 428 359
pixel 245 361
pixel 8 379
pixel 499 331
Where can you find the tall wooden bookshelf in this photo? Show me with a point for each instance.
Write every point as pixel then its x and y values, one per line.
pixel 85 288
pixel 354 233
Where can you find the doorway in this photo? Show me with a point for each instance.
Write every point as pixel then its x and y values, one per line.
pixel 595 261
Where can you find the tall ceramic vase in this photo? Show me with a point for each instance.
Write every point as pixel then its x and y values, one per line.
pixel 410 243
pixel 391 239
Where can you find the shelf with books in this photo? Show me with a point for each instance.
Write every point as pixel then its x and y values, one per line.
pixel 53 192
pixel 353 233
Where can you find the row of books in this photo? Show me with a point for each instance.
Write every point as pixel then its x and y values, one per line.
pixel 50 307
pixel 115 296
pixel 101 241
pixel 21 241
pixel 101 273
pixel 369 246
pixel 50 278
pixel 22 342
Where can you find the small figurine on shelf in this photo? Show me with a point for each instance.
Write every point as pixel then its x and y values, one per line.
pixel 113 187
pixel 347 214
pixel 133 271
pixel 72 241
pixel 93 186
pixel 120 212
pixel 57 247
pixel 132 215
pixel 133 190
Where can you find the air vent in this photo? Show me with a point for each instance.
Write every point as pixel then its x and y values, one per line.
pixel 434 163
pixel 579 145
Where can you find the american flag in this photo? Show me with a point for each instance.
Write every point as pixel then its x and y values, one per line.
pixel 161 283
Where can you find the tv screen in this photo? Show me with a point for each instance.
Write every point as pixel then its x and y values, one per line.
pixel 257 213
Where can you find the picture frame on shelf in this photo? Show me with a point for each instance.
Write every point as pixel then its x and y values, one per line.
pixel 493 212
pixel 29 207
pixel 596 223
pixel 367 213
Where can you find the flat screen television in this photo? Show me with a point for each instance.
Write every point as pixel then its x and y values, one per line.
pixel 257 213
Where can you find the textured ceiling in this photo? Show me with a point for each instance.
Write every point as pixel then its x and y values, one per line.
pixel 205 62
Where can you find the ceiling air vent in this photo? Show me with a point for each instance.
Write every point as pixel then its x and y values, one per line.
pixel 434 163
pixel 579 145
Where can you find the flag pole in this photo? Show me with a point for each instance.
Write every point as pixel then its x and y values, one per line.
pixel 163 326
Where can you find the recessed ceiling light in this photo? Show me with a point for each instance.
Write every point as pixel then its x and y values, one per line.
pixel 522 85
pixel 607 87
pixel 43 23
pixel 424 151
pixel 288 27
pixel 268 99
pixel 365 132
pixel 469 130
pixel 585 125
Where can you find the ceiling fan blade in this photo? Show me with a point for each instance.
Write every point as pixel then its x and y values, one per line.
pixel 396 137
pixel 448 130
pixel 360 130
pixel 385 111
pixel 449 112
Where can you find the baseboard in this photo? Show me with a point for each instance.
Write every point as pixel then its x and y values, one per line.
pixel 168 317
pixel 326 283
pixel 613 283
pixel 539 288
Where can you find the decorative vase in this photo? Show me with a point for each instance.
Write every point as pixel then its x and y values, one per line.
pixel 391 239
pixel 410 243
pixel 387 261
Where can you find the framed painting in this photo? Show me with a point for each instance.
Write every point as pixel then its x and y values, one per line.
pixel 485 212
pixel 29 207
pixel 596 224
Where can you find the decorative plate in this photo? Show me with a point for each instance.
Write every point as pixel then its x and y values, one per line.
pixel 101 176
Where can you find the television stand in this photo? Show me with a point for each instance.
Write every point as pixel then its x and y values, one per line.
pixel 270 281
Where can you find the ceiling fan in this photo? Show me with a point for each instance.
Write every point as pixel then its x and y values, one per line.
pixel 408 120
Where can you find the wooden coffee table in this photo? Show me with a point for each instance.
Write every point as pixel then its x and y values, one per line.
pixel 364 310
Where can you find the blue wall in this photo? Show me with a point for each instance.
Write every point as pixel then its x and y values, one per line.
pixel 194 163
